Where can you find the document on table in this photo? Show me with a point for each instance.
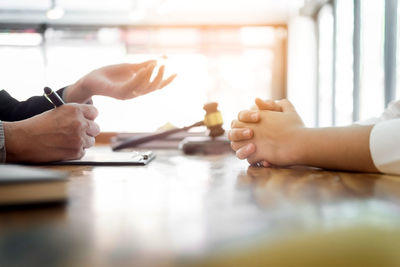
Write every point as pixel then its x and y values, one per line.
pixel 106 157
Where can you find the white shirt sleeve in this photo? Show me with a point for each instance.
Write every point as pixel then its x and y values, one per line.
pixel 384 144
pixel 384 140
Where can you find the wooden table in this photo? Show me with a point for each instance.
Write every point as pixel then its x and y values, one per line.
pixel 209 210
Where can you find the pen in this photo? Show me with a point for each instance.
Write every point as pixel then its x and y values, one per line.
pixel 53 97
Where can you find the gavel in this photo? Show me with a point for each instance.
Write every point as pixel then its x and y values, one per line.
pixel 212 120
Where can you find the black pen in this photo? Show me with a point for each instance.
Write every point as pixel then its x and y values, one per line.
pixel 53 97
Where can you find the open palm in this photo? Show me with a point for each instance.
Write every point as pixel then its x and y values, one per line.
pixel 125 81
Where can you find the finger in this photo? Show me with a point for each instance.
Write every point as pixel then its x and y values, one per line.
pixel 145 81
pixel 254 107
pixel 236 145
pixel 249 116
pixel 90 112
pixel 59 154
pixel 237 124
pixel 267 105
pixel 261 104
pixel 71 154
pixel 252 161
pixel 148 73
pixel 143 64
pixel 168 81
pixel 285 105
pixel 92 128
pixel 66 153
pixel 265 164
pixel 157 80
pixel 88 141
pixel 246 151
pixel 135 82
pixel 240 134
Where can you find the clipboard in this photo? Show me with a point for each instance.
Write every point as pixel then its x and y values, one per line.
pixel 106 157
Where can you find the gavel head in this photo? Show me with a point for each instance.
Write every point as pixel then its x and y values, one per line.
pixel 213 120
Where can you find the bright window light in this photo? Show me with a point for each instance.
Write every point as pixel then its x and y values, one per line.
pixel 20 39
pixel 213 64
pixel 325 29
pixel 344 62
pixel 23 70
pixel 398 52
pixel 372 71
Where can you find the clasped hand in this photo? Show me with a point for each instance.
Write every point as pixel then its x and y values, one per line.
pixel 267 134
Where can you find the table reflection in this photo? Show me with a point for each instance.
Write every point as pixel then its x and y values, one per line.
pixel 193 206
pixel 270 185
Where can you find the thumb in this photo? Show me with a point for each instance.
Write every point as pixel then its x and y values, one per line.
pixel 285 105
pixel 267 105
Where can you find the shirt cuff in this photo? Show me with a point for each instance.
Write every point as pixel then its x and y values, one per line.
pixel 2 144
pixel 384 145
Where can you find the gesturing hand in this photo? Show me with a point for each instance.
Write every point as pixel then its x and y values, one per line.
pixel 58 134
pixel 122 81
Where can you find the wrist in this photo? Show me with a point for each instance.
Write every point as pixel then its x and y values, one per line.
pixel 13 141
pixel 78 92
pixel 299 146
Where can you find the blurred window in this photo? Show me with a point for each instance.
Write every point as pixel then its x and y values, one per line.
pixel 344 62
pixel 22 63
pixel 228 65
pixel 325 33
pixel 371 91
pixel 372 56
pixel 398 51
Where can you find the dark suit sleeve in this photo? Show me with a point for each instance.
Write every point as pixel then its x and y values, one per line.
pixel 14 110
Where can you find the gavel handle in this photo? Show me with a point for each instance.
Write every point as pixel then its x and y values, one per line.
pixel 134 141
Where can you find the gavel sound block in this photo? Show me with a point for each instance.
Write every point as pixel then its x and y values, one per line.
pixel 214 143
pixel 205 145
pixel 212 120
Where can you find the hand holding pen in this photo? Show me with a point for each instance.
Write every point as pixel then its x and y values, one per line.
pixel 53 97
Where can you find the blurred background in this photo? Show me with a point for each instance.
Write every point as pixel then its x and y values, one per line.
pixel 335 60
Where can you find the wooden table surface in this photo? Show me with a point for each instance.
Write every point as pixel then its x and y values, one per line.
pixel 209 210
